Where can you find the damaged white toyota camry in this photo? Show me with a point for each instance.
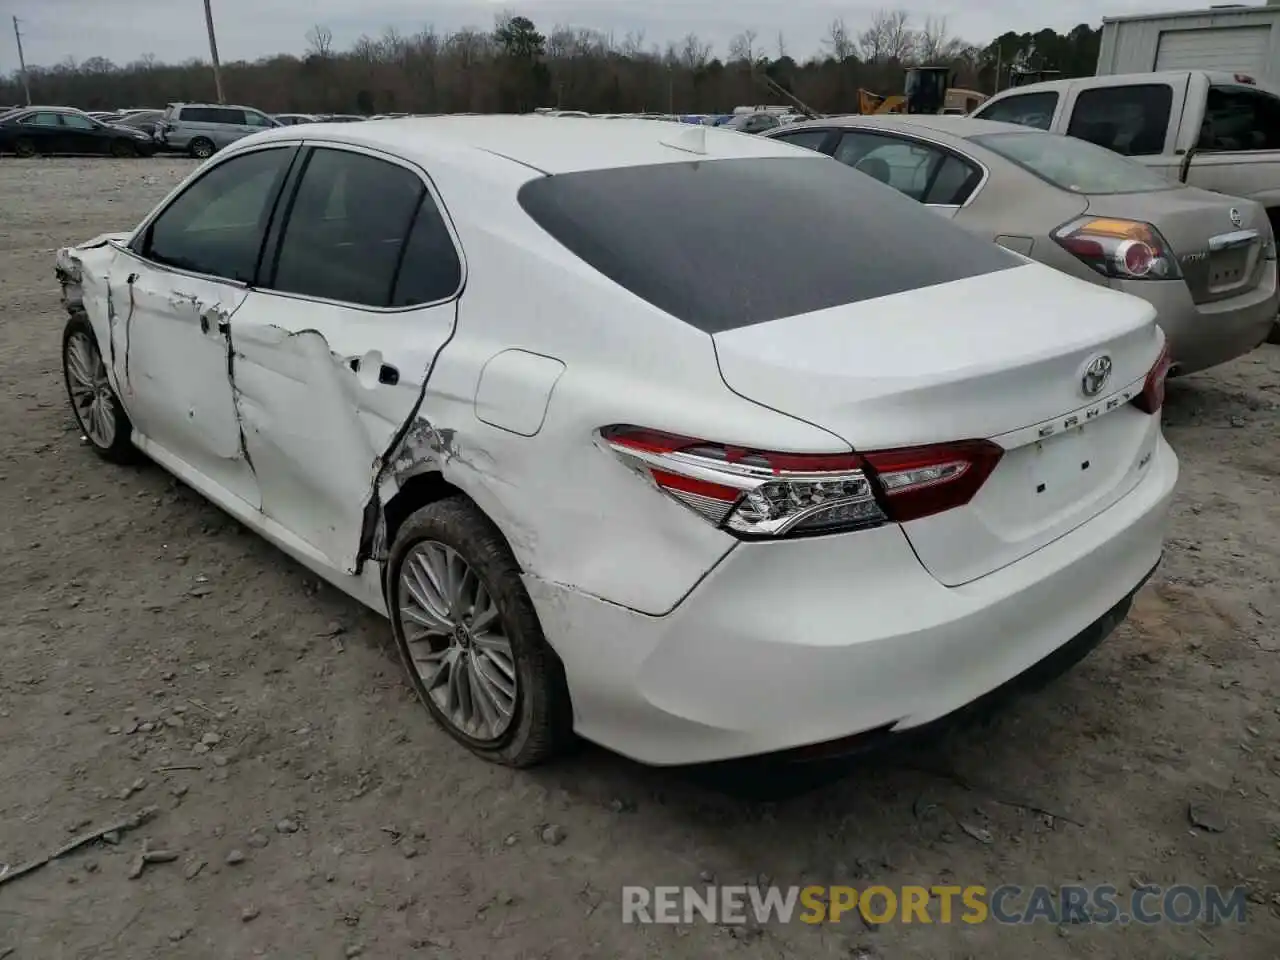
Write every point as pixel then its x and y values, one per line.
pixel 694 444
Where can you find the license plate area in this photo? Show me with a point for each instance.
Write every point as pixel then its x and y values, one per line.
pixel 1229 269
pixel 1059 470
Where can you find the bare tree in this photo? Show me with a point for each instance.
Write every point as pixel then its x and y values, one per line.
pixel 633 44
pixel 901 38
pixel 560 41
pixel 743 47
pixel 839 41
pixel 889 37
pixel 935 45
pixel 320 41
pixel 694 54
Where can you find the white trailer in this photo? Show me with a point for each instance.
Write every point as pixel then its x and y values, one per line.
pixel 1233 38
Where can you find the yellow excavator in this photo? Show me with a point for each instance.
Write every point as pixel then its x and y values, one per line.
pixel 925 90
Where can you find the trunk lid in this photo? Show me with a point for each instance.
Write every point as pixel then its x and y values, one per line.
pixel 1220 255
pixel 1001 357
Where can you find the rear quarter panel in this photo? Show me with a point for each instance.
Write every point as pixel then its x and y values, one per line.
pixel 572 512
pixel 1015 203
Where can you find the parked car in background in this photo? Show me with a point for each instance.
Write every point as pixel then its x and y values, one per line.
pixel 202 129
pixel 1216 130
pixel 45 130
pixel 1219 131
pixel 340 118
pixel 293 119
pixel 1206 262
pixel 145 120
pixel 892 471
pixel 751 122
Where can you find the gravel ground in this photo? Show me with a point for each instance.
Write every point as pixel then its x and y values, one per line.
pixel 155 654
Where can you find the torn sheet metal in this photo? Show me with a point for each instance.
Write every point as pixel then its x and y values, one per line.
pixel 323 392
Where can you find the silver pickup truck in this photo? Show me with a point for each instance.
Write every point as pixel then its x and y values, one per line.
pixel 1218 131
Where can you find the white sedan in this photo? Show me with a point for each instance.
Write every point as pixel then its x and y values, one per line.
pixel 696 445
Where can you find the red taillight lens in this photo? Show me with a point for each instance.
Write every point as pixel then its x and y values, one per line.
pixel 757 493
pixel 921 481
pixel 1151 399
pixel 1125 249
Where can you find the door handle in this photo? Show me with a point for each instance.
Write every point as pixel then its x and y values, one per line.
pixel 387 374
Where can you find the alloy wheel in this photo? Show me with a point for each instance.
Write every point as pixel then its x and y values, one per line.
pixel 91 395
pixel 456 641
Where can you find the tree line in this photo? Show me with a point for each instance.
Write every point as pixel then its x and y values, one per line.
pixel 515 67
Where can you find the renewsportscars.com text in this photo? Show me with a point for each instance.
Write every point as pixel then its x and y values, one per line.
pixel 973 904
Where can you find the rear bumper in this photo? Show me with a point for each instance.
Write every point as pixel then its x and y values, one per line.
pixel 1207 334
pixel 811 641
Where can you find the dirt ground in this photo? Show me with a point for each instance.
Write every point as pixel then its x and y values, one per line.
pixel 155 654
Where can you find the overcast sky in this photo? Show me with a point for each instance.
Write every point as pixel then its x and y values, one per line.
pixel 123 30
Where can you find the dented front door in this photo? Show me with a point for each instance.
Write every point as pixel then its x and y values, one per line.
pixel 332 348
pixel 323 391
pixel 168 350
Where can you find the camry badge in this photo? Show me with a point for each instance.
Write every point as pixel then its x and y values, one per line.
pixel 1236 218
pixel 1096 375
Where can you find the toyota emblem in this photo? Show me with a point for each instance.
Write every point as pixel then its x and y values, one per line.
pixel 1236 218
pixel 1096 375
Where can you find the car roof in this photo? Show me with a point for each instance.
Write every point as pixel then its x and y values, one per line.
pixel 548 145
pixel 1116 79
pixel 959 127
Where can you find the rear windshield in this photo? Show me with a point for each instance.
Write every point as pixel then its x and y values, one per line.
pixel 1072 164
pixel 722 244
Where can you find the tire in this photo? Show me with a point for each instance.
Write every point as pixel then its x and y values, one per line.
pixel 123 148
pixel 541 717
pixel 108 431
pixel 202 148
pixel 1274 335
pixel 24 148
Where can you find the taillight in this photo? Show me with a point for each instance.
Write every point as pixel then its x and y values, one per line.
pixel 757 493
pixel 1151 399
pixel 1126 249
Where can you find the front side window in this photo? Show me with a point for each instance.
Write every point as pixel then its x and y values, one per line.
pixel 1131 120
pixel 77 122
pixel 1025 109
pixel 216 226
pixel 906 166
pixel 1240 118
pixel 1074 165
pixel 256 120
pixel 346 228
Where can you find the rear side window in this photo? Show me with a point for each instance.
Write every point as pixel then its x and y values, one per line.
pixel 1131 120
pixel 430 270
pixel 346 228
pixel 216 226
pixel 809 139
pixel 1027 109
pixel 723 244
pixel 1240 118
pixel 953 182
pixel 1072 164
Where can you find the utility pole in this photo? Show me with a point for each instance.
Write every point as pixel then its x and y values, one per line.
pixel 213 51
pixel 22 61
